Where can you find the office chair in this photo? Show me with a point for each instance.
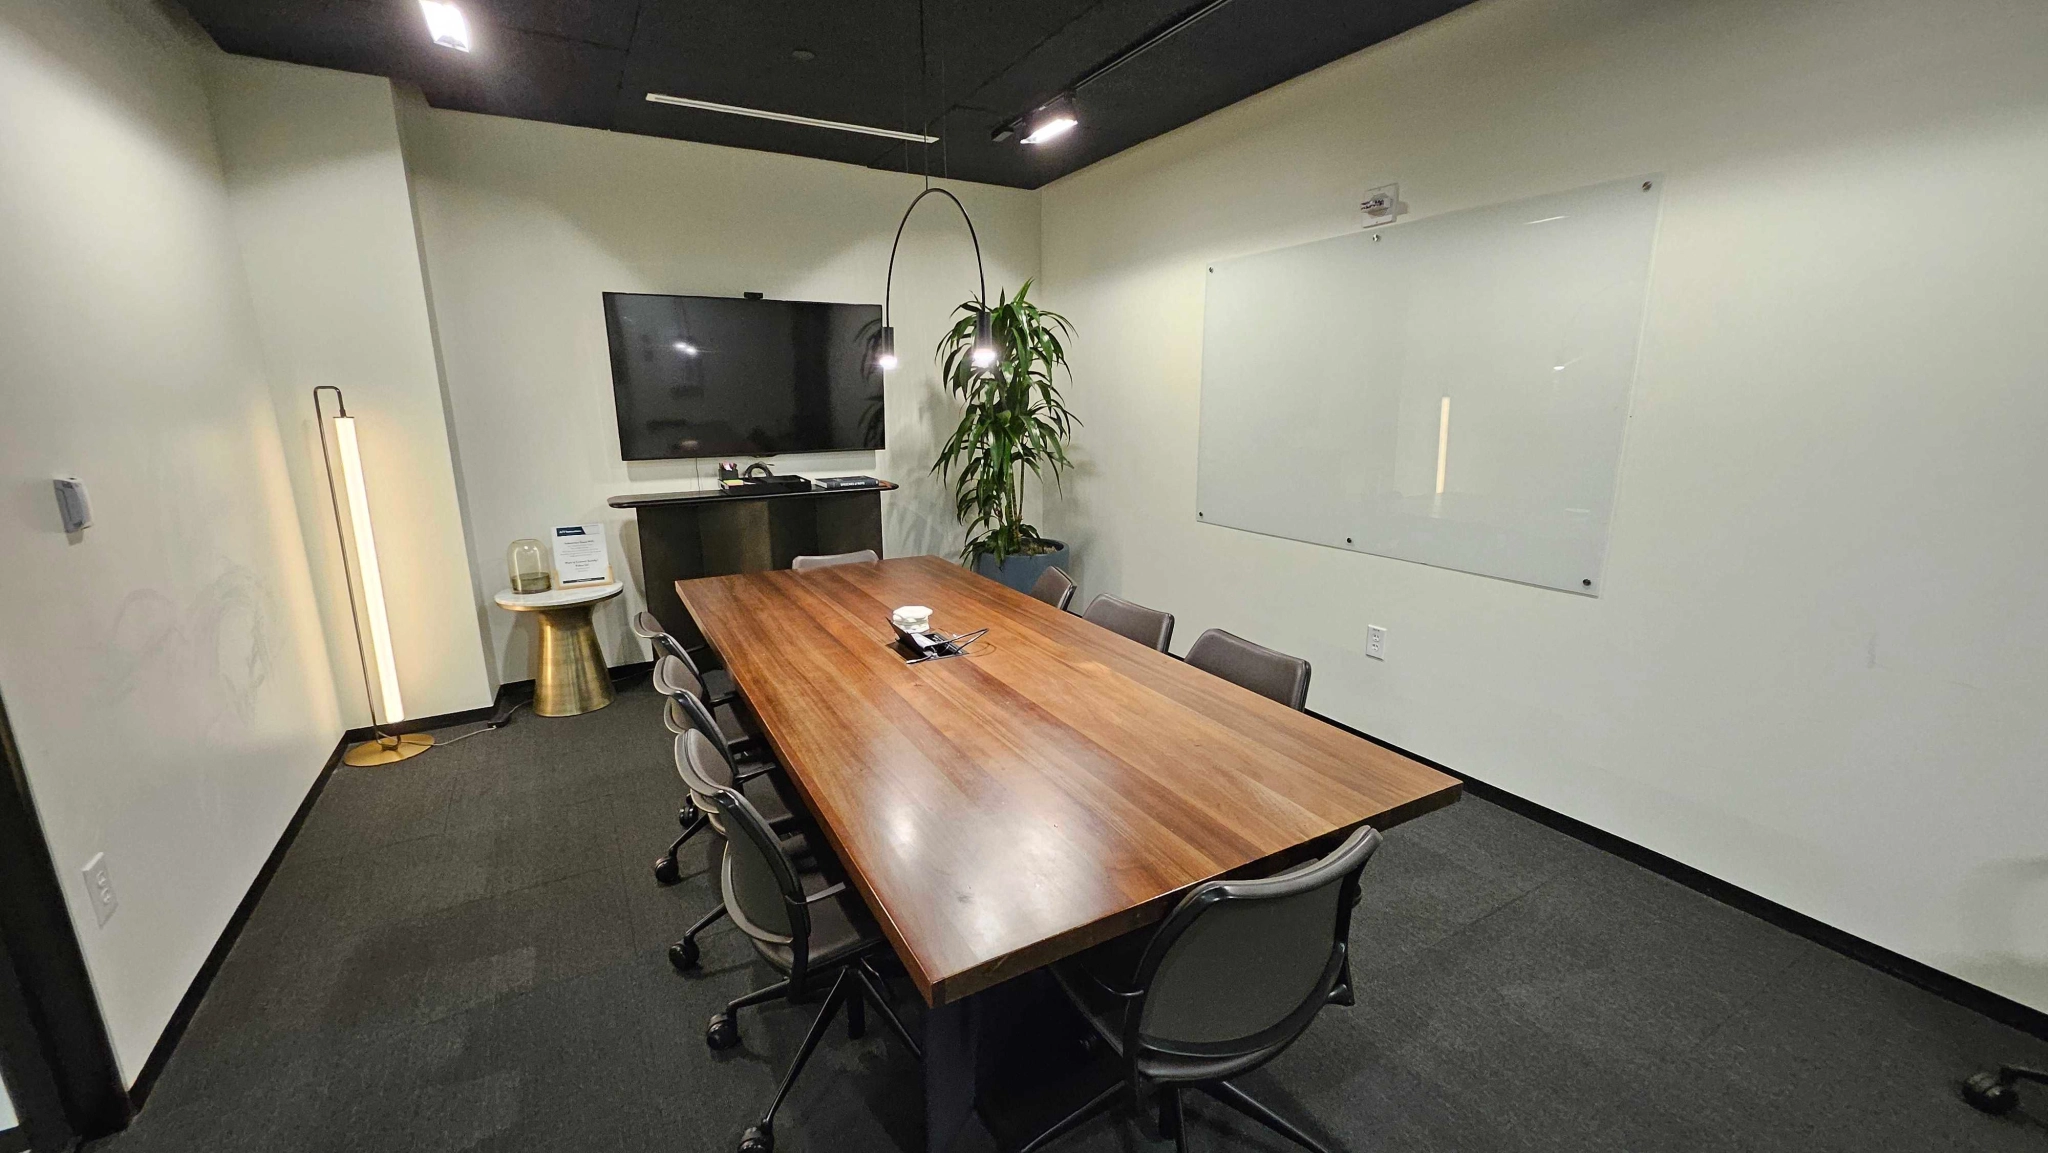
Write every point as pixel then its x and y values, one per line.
pixel 806 932
pixel 1054 587
pixel 717 682
pixel 1146 626
pixel 685 710
pixel 705 772
pixel 1255 667
pixel 1232 977
pixel 1998 1093
pixel 806 563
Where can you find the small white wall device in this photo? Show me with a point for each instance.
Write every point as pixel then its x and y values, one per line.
pixel 72 503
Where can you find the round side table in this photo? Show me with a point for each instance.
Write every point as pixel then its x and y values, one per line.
pixel 569 676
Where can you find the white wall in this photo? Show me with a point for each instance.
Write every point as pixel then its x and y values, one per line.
pixel 164 670
pixel 1818 666
pixel 324 215
pixel 7 1118
pixel 525 226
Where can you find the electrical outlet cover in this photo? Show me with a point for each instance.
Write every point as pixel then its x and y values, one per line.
pixel 99 889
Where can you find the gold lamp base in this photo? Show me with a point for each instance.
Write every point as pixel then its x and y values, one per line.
pixel 388 750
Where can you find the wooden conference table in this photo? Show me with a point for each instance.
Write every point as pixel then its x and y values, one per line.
pixel 1057 787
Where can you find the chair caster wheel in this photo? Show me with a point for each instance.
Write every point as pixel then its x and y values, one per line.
pixel 683 955
pixel 1988 1094
pixel 723 1032
pixel 758 1139
pixel 667 871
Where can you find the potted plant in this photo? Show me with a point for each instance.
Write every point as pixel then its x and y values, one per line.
pixel 1014 422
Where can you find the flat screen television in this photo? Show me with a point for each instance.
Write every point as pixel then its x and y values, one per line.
pixel 696 376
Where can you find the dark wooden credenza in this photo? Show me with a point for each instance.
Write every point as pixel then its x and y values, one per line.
pixel 696 534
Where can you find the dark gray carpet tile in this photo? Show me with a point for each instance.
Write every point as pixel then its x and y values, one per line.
pixel 507 945
pixel 466 952
pixel 363 809
pixel 1837 1056
pixel 1498 844
pixel 1412 897
pixel 1617 962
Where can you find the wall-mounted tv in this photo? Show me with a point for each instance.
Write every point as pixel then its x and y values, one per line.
pixel 696 376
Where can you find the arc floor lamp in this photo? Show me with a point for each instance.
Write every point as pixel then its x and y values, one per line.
pixel 382 748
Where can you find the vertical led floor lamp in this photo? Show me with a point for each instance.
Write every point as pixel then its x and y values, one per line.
pixel 382 748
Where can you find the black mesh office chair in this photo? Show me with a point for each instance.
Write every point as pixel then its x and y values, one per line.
pixel 806 563
pixel 1054 587
pixel 1232 977
pixel 1146 626
pixel 807 930
pixel 1264 671
pixel 706 772
pixel 718 687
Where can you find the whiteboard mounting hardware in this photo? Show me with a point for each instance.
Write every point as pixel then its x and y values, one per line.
pixel 1381 205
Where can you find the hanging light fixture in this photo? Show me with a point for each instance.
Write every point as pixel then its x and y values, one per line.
pixel 982 354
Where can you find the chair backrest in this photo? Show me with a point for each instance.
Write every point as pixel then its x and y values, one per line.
pixel 1054 587
pixel 686 708
pixel 864 556
pixel 704 771
pixel 764 894
pixel 1262 670
pixel 647 628
pixel 1146 626
pixel 1240 968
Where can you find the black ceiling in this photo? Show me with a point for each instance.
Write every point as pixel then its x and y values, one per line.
pixel 593 62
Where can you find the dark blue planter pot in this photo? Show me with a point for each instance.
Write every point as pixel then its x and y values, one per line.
pixel 1021 572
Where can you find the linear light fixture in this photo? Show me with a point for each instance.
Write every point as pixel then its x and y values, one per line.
pixel 789 118
pixel 1443 442
pixel 366 562
pixel 445 23
pixel 383 748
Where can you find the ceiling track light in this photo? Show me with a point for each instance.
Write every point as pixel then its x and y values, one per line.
pixel 788 118
pixel 446 24
pixel 1057 117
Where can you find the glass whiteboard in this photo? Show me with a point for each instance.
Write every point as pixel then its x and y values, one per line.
pixel 1451 391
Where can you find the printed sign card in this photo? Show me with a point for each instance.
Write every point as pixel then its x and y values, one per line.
pixel 580 556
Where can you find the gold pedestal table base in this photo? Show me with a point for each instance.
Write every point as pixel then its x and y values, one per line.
pixel 569 674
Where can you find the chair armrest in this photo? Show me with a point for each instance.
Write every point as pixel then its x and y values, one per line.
pixel 755 769
pixel 825 893
pixel 1098 982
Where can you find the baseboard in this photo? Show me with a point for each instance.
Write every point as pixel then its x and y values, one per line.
pixel 174 1030
pixel 421 724
pixel 1947 986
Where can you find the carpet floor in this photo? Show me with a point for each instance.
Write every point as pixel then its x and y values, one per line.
pixel 466 951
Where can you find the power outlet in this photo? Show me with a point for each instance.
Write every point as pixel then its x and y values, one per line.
pixel 1376 642
pixel 99 889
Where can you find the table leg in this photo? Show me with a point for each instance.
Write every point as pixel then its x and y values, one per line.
pixel 952 1034
pixel 569 672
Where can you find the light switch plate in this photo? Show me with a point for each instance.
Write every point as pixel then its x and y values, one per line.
pixel 1376 642
pixel 99 889
pixel 72 503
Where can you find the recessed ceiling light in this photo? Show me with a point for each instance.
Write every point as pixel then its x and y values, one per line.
pixel 446 24
pixel 788 118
